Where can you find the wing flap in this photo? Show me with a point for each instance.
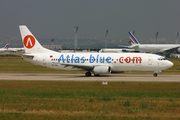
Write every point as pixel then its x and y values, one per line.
pixel 85 67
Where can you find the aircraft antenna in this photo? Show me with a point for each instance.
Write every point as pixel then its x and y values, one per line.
pixel 75 40
pixel 106 38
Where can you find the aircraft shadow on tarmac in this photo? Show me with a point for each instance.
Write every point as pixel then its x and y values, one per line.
pixel 83 76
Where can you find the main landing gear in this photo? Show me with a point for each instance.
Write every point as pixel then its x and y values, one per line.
pixel 155 74
pixel 87 74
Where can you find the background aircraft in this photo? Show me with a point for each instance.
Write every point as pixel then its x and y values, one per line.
pixel 8 49
pixel 15 49
pixel 97 63
pixel 152 48
pixel 5 48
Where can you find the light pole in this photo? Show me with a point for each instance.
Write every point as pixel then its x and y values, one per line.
pixel 177 37
pixel 52 43
pixel 75 40
pixel 156 34
pixel 106 38
pixel 134 32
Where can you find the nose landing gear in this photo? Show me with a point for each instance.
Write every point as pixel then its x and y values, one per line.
pixel 155 73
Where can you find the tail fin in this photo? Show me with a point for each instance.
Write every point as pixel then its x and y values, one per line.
pixel 6 46
pixel 30 43
pixel 133 39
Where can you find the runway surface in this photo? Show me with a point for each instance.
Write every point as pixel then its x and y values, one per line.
pixel 81 77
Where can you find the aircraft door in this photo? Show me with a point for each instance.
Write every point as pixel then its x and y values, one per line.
pixel 150 61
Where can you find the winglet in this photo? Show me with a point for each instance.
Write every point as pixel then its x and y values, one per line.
pixel 133 39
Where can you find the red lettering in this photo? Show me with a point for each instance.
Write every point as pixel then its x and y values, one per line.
pixel 120 59
pixel 137 59
pixel 127 60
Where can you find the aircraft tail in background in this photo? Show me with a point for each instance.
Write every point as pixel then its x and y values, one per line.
pixel 6 46
pixel 133 39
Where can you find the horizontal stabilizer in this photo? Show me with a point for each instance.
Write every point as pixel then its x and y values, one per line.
pixel 28 56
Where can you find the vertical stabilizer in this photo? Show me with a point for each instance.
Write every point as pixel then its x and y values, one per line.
pixel 133 39
pixel 6 46
pixel 30 43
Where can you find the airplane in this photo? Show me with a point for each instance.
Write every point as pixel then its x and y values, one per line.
pixel 152 48
pixel 5 48
pixel 8 49
pixel 97 63
pixel 15 49
pixel 110 50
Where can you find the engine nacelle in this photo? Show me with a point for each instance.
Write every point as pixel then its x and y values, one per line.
pixel 178 50
pixel 102 69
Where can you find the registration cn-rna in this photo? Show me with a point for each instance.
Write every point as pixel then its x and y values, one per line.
pixel 96 63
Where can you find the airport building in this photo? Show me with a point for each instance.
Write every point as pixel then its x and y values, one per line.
pixel 54 47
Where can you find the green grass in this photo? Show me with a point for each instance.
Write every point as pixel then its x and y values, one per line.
pixel 89 100
pixel 14 64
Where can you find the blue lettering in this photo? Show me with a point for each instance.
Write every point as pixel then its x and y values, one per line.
pixel 101 60
pixel 82 60
pixel 107 59
pixel 61 57
pixel 97 59
pixel 72 58
pixel 91 59
pixel 67 57
pixel 76 60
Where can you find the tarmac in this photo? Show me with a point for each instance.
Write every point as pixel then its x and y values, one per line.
pixel 82 77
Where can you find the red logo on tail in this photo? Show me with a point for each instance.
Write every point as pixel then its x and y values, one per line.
pixel 29 41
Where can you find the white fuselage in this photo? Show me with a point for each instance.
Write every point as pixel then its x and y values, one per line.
pixel 15 49
pixel 154 48
pixel 2 49
pixel 116 61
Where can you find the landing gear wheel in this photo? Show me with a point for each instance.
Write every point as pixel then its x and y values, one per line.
pixel 155 74
pixel 88 74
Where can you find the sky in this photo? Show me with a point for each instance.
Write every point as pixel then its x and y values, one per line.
pixel 56 18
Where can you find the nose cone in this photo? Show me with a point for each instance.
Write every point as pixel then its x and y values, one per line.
pixel 165 64
pixel 170 64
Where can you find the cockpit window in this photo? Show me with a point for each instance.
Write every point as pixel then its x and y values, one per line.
pixel 162 58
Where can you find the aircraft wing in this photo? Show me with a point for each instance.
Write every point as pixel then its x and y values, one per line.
pixel 136 47
pixel 169 49
pixel 85 67
pixel 123 46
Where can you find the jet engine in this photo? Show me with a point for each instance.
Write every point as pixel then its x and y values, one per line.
pixel 178 50
pixel 102 69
